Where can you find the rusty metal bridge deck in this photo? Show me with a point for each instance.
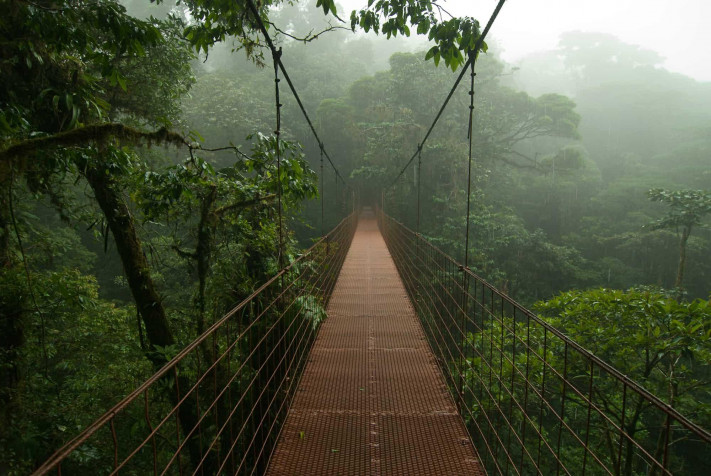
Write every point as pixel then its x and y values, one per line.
pixel 372 399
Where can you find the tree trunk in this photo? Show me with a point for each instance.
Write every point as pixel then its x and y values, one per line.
pixel 143 289
pixel 631 429
pixel 660 454
pixel 12 336
pixel 5 257
pixel 686 232
pixel 135 264
pixel 203 252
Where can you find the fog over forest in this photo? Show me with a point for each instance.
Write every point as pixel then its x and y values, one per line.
pixel 142 200
pixel 630 127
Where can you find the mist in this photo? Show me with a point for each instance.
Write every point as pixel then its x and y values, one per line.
pixel 157 169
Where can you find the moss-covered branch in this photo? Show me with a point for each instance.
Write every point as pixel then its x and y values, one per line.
pixel 91 133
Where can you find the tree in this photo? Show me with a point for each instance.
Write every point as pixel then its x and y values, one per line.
pixel 688 209
pixel 193 189
pixel 68 68
pixel 645 334
pixel 454 38
pixel 393 109
pixel 652 338
pixel 600 57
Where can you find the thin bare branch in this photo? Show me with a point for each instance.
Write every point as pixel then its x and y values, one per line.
pixel 219 149
pixel 310 36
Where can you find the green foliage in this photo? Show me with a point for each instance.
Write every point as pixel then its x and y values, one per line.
pixel 392 110
pixel 643 127
pixel 294 177
pixel 82 62
pixel 329 6
pixel 645 334
pixel 66 67
pixel 215 21
pixel 307 307
pixel 84 356
pixel 688 207
pixel 454 38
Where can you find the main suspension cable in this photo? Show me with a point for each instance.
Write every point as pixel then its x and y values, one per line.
pixel 270 44
pixel 472 57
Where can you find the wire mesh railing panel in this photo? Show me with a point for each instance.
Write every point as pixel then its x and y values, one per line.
pixel 217 407
pixel 534 401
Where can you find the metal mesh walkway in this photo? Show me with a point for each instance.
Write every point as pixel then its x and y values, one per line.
pixel 371 399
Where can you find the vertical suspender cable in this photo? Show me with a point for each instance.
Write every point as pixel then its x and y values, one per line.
pixel 465 276
pixel 469 172
pixel 322 189
pixel 276 57
pixel 278 65
pixel 419 182
pixel 282 325
pixel 477 47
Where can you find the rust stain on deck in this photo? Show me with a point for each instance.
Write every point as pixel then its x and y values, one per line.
pixel 371 399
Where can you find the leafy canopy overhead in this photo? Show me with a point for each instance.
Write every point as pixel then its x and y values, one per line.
pixel 454 38
pixel 83 62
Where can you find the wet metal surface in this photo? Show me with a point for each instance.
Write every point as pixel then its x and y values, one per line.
pixel 371 399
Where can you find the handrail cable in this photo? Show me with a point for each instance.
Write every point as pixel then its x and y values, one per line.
pixel 472 57
pixel 702 433
pixel 222 324
pixel 526 385
pixel 270 43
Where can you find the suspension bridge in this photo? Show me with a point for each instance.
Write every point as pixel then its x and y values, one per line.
pixel 376 353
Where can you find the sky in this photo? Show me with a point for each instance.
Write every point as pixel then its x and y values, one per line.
pixel 677 29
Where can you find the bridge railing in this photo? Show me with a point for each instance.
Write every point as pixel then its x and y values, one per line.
pixel 218 406
pixel 533 400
